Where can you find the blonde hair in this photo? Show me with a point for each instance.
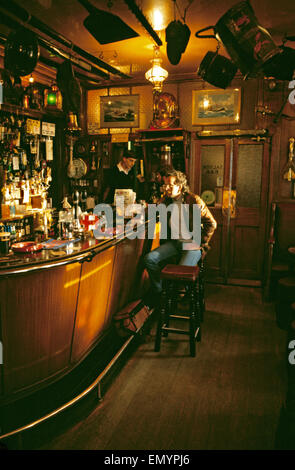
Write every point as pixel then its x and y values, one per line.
pixel 180 178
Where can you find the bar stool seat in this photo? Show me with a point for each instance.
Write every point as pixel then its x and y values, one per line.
pixel 180 273
pixel 174 278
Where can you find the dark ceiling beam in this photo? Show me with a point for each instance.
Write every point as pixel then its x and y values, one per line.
pixel 54 65
pixel 15 9
pixel 11 23
pixel 142 19
pixel 51 63
pixel 77 62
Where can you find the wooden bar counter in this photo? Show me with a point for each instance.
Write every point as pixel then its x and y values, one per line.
pixel 55 306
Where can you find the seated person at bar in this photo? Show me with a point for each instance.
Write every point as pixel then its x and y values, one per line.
pixel 121 176
pixel 186 250
pixel 157 183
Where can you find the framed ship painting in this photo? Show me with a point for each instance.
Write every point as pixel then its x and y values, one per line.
pixel 213 107
pixel 119 111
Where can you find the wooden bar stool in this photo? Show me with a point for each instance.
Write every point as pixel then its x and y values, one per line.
pixel 176 277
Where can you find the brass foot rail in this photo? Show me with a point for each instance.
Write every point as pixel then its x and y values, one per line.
pixel 95 383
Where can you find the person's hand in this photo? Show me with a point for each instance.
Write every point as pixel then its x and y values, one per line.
pixel 140 178
pixel 204 249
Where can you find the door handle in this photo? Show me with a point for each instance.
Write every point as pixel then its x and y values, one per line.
pixel 229 198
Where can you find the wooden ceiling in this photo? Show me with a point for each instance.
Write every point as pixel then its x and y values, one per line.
pixel 132 56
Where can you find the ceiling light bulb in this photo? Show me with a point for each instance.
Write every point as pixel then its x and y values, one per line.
pixel 156 75
pixel 158 20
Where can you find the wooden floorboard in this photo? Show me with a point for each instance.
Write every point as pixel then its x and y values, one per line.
pixel 228 397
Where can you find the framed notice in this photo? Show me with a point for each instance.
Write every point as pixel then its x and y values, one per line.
pixel 119 111
pixel 213 107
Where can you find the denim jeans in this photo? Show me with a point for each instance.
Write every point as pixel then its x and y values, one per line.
pixel 158 258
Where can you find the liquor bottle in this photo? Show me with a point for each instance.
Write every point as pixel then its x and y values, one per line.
pixel 27 227
pixel 84 200
pixel 12 233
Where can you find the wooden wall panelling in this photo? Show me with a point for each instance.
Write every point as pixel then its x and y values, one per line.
pixel 284 186
pixel 37 324
pixel 248 228
pixel 214 264
pixel 216 258
pixel 1 357
pixel 285 229
pixel 92 302
pixel 124 285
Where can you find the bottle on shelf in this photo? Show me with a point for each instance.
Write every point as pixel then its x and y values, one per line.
pixel 84 200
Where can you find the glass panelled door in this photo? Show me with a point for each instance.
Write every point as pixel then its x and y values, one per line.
pixel 233 181
pixel 247 228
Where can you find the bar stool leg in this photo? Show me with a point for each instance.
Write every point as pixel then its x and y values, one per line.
pixel 161 319
pixel 192 321
pixel 198 300
pixel 198 309
pixel 169 304
pixel 202 289
pixel 174 295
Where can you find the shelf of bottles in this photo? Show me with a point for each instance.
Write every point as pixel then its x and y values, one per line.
pixel 91 155
pixel 165 147
pixel 170 154
pixel 19 229
pixel 26 155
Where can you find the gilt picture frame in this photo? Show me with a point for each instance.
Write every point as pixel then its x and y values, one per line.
pixel 214 107
pixel 119 111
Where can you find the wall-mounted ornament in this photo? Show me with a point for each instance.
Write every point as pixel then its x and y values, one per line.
pixel 165 111
pixel 289 168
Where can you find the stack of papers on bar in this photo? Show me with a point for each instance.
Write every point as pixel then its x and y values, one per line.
pixel 56 244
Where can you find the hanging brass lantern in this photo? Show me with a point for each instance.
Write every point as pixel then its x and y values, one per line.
pixel 53 98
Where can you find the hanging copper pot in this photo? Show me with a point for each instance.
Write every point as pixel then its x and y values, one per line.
pixel 282 66
pixel 217 70
pixel 21 52
pixel 249 45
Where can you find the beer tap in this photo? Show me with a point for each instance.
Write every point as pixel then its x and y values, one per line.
pixel 78 230
pixel 76 199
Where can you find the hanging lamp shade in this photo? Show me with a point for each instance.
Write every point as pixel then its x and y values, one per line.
pixel 106 27
pixel 177 38
pixel 156 74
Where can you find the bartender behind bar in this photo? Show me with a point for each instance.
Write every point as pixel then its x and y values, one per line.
pixel 121 176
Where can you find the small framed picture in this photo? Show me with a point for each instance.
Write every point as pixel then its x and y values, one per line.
pixel 119 111
pixel 213 107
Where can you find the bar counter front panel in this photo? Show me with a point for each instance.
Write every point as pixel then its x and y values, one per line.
pixel 55 306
